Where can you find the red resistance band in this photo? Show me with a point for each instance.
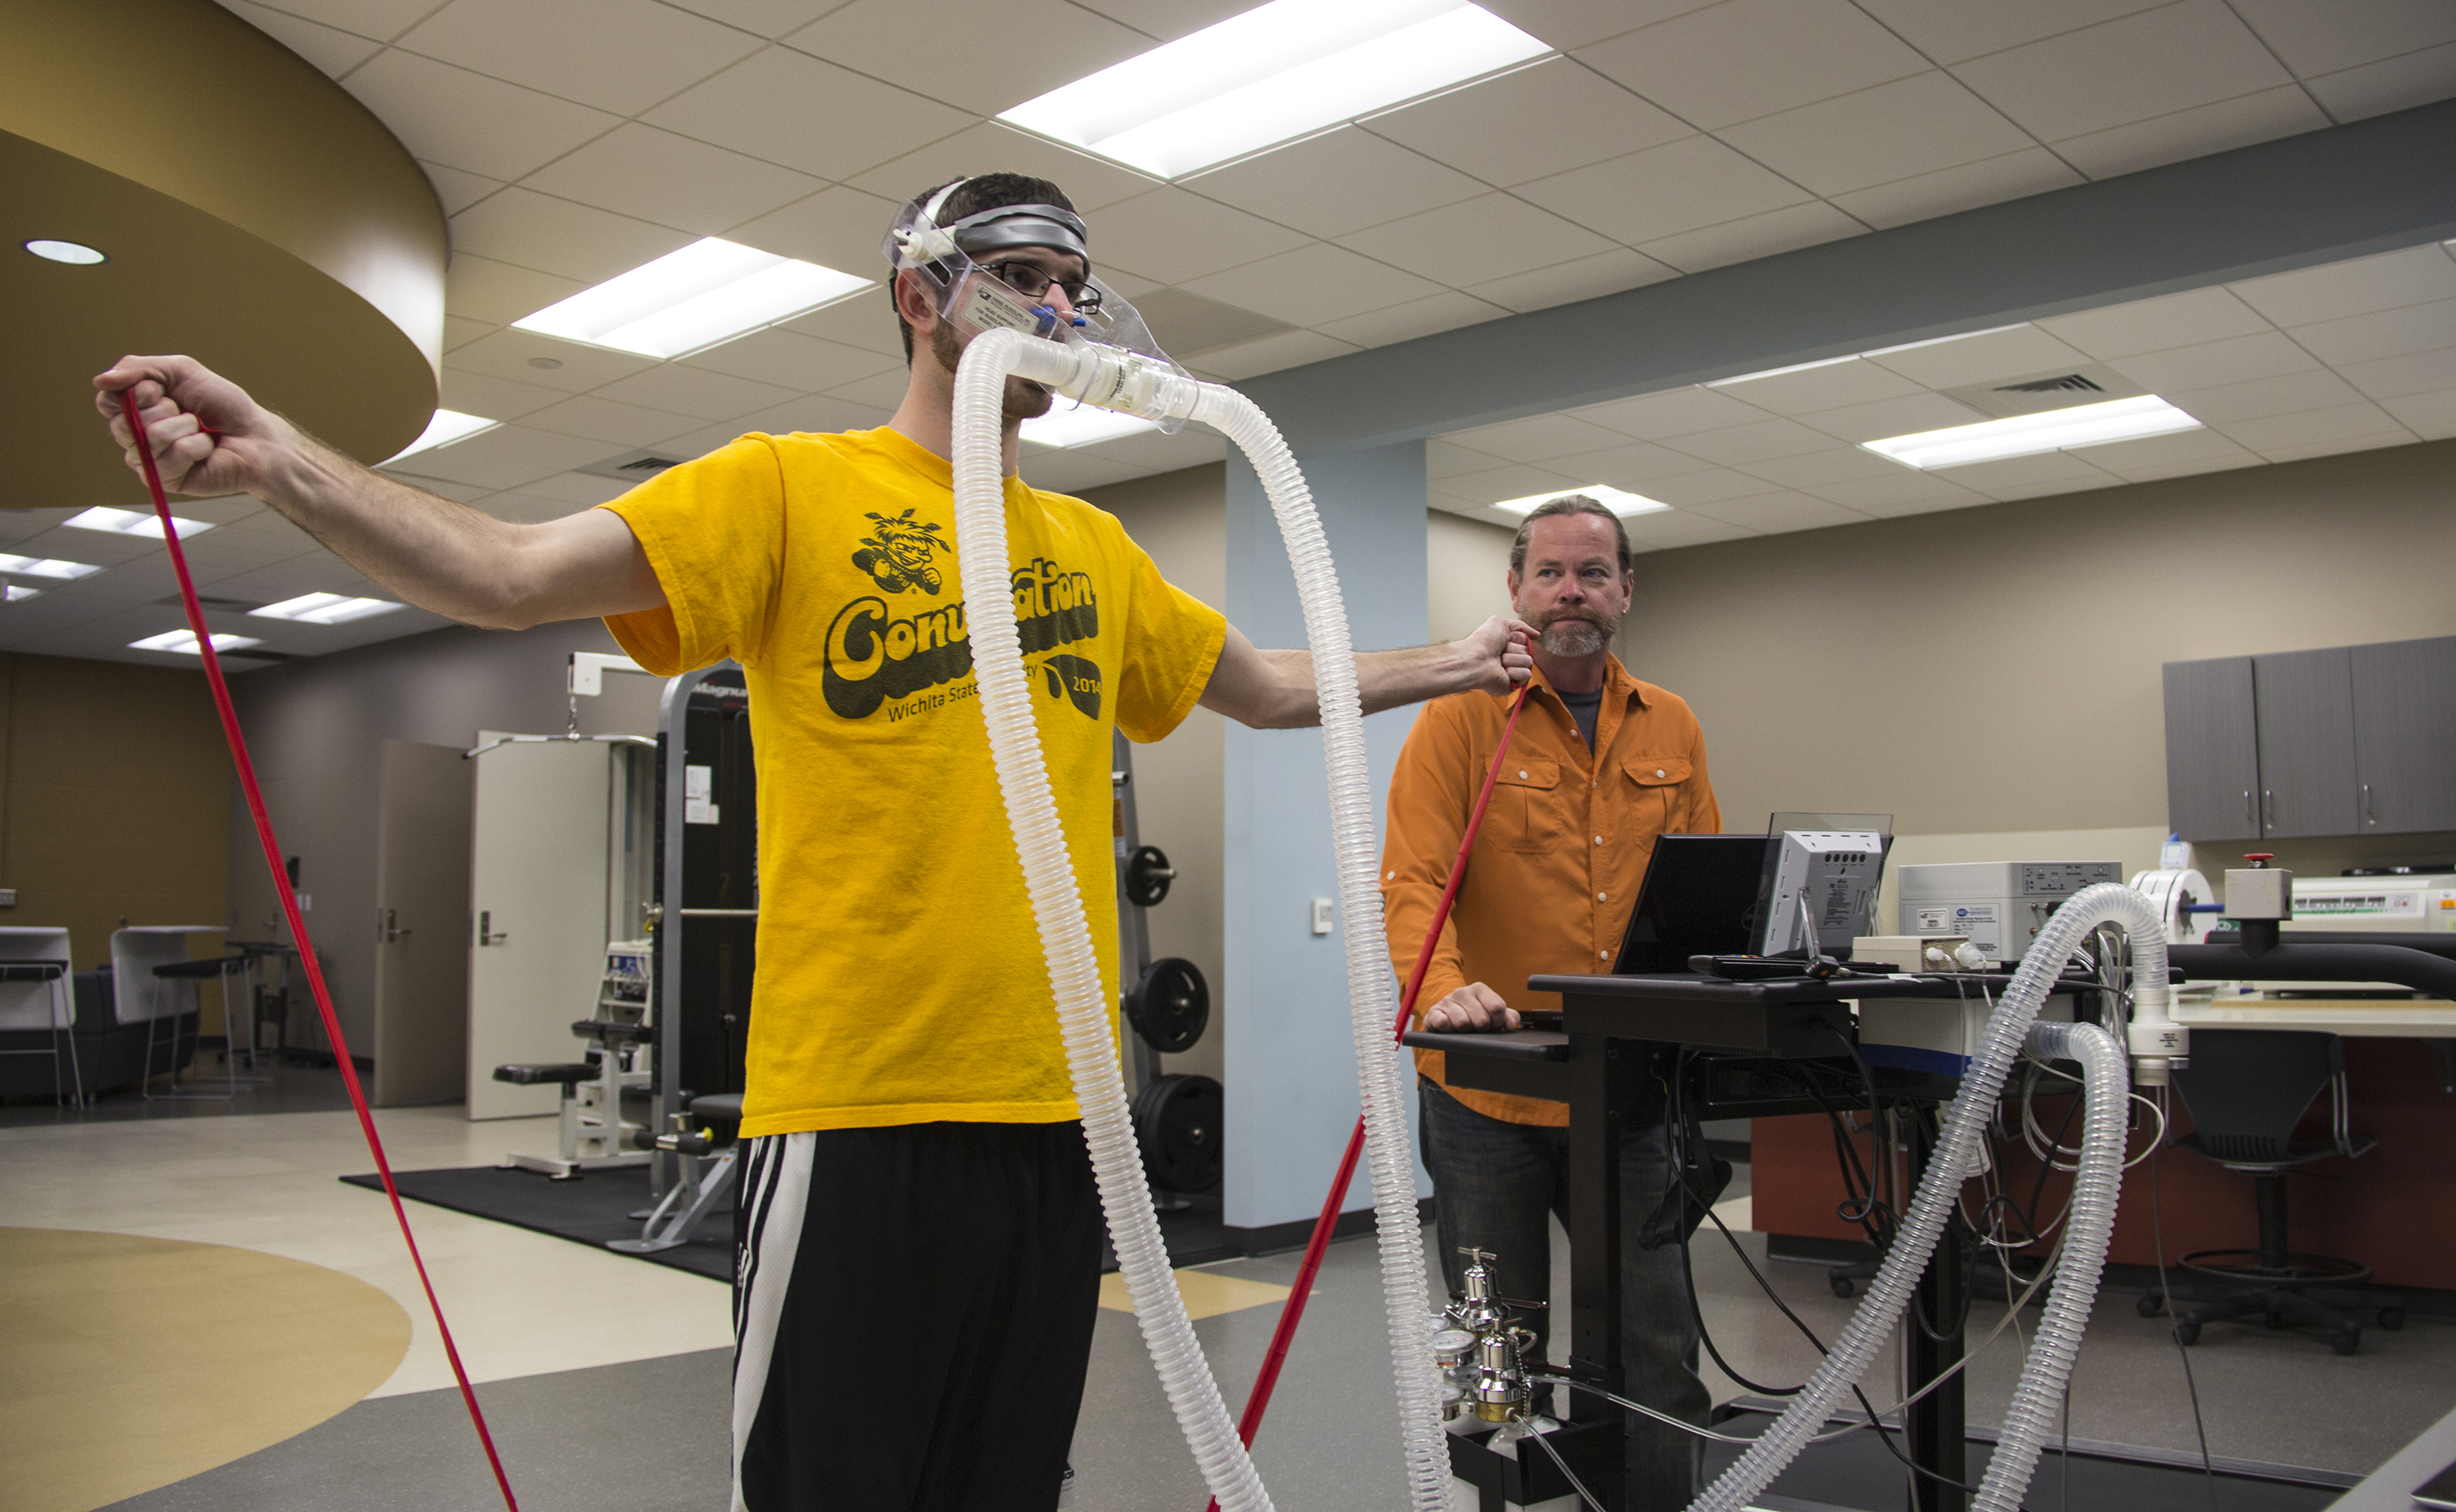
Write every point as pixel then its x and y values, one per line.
pixel 1293 1313
pixel 298 924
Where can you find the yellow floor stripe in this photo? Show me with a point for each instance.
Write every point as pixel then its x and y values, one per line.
pixel 1206 1294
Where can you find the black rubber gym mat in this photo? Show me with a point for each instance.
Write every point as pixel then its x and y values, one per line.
pixel 588 1209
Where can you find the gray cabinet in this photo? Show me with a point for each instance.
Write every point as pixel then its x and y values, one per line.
pixel 2212 751
pixel 2404 736
pixel 2307 785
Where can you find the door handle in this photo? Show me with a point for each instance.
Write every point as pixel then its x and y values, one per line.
pixel 2267 810
pixel 388 932
pixel 486 935
pixel 2250 814
pixel 2368 819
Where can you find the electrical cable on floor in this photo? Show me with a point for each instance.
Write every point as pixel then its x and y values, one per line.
pixel 297 921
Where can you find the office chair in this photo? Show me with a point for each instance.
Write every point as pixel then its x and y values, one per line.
pixel 2246 1089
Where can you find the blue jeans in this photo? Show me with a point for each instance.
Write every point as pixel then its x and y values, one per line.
pixel 1495 1185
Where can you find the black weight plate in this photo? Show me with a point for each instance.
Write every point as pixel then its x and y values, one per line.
pixel 1148 875
pixel 1171 1006
pixel 1176 1123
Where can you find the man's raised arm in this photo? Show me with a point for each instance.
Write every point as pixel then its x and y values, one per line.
pixel 209 437
pixel 1273 689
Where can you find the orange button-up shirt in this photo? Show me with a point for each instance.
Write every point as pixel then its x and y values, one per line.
pixel 1556 866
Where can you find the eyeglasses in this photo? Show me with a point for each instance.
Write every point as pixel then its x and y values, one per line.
pixel 1033 281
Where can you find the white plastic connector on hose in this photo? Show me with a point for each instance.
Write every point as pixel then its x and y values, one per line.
pixel 2157 1042
pixel 1864 1337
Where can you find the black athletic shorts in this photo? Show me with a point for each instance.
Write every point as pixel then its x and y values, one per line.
pixel 912 1316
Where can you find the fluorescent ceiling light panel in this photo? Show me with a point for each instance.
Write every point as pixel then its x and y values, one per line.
pixel 1284 71
pixel 1618 501
pixel 1777 372
pixel 131 522
pixel 18 590
pixel 1940 340
pixel 185 642
pixel 325 608
pixel 446 428
pixel 2029 434
pixel 46 566
pixel 70 252
pixel 708 291
pixel 1083 425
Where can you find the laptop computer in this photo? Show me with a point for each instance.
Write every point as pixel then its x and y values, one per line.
pixel 1699 898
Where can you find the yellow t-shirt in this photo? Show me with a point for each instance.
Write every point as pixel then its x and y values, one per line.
pixel 900 978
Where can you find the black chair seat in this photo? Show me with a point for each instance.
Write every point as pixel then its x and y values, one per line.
pixel 605 1031
pixel 2229 1154
pixel 717 1109
pixel 539 1075
pixel 32 971
pixel 214 966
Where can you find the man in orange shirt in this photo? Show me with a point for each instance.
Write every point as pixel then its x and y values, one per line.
pixel 1600 765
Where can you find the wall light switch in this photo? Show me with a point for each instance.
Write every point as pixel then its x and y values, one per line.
pixel 1322 913
pixel 8 897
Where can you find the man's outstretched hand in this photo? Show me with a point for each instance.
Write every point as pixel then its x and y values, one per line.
pixel 1502 647
pixel 208 437
pixel 1474 1009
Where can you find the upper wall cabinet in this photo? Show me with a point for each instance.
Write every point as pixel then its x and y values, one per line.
pixel 2356 740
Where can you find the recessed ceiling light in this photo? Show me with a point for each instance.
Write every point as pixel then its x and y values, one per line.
pixel 185 642
pixel 1777 372
pixel 2029 434
pixel 132 523
pixel 1940 340
pixel 446 428
pixel 1273 74
pixel 18 590
pixel 1083 425
pixel 70 251
pixel 327 609
pixel 710 290
pixel 1619 502
pixel 46 566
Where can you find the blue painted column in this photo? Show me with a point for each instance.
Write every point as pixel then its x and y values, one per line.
pixel 1290 1067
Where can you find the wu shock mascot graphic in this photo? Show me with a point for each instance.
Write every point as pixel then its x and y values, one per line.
pixel 899 655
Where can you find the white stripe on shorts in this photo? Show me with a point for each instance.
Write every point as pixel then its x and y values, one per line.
pixel 775 1194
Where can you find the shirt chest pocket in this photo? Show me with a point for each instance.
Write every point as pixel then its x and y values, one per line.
pixel 1654 790
pixel 1529 811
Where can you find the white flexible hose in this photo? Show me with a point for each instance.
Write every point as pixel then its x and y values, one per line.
pixel 2091 1212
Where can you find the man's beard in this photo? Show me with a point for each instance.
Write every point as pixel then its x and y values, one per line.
pixel 1023 398
pixel 1577 632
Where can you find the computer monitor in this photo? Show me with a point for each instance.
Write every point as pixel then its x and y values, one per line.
pixel 1699 898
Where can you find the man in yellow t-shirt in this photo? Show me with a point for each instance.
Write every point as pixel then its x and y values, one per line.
pixel 916 1169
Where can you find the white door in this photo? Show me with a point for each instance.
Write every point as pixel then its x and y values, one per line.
pixel 537 900
pixel 421 1040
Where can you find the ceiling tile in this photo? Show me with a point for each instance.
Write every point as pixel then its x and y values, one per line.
pixel 2392 84
pixel 1575 22
pixel 2227 404
pixel 1536 438
pixel 1191 447
pixel 881 391
pixel 465 120
pixel 2150 457
pixel 1768 514
pixel 1168 20
pixel 1708 487
pixel 1443 458
pixel 2431 416
pixel 514 355
pixel 1669 530
pixel 530 230
pixel 768 18
pixel 491 397
pixel 1186 323
pixel 1915 125
pixel 2339 445
pixel 1901 492
pixel 2194 133
pixel 1907 416
pixel 1838 465
pixel 695 392
pixel 1177 238
pixel 1071 472
pixel 2270 434
pixel 2236 360
pixel 1675 411
pixel 2022 477
pixel 497 293
pixel 640 172
pixel 1315 283
pixel 1447 311
pixel 1568 282
pixel 618 55
pixel 1491 237
pixel 2148 63
pixel 1999 356
pixel 1828 385
pixel 1271 352
pixel 1516 481
pixel 1664 190
pixel 2324 38
pixel 459 331
pixel 1021 49
pixel 576 488
pixel 603 420
pixel 2189 318
pixel 505 457
pixel 866 321
pixel 332 51
pixel 1554 116
pixel 836 228
pixel 2388 281
pixel 1784 230
pixel 456 190
pixel 1951 31
pixel 791 109
pixel 793 360
pixel 1338 182
pixel 2397 376
pixel 1631 464
pixel 1761 440
pixel 993 147
pixel 1714 66
pixel 2015 175
pixel 2384 332
pixel 818 414
pixel 381 19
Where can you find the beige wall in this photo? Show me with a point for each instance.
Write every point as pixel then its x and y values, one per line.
pixel 1466 570
pixel 1990 676
pixel 1182 519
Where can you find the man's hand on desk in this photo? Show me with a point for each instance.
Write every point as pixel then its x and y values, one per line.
pixel 1474 1009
